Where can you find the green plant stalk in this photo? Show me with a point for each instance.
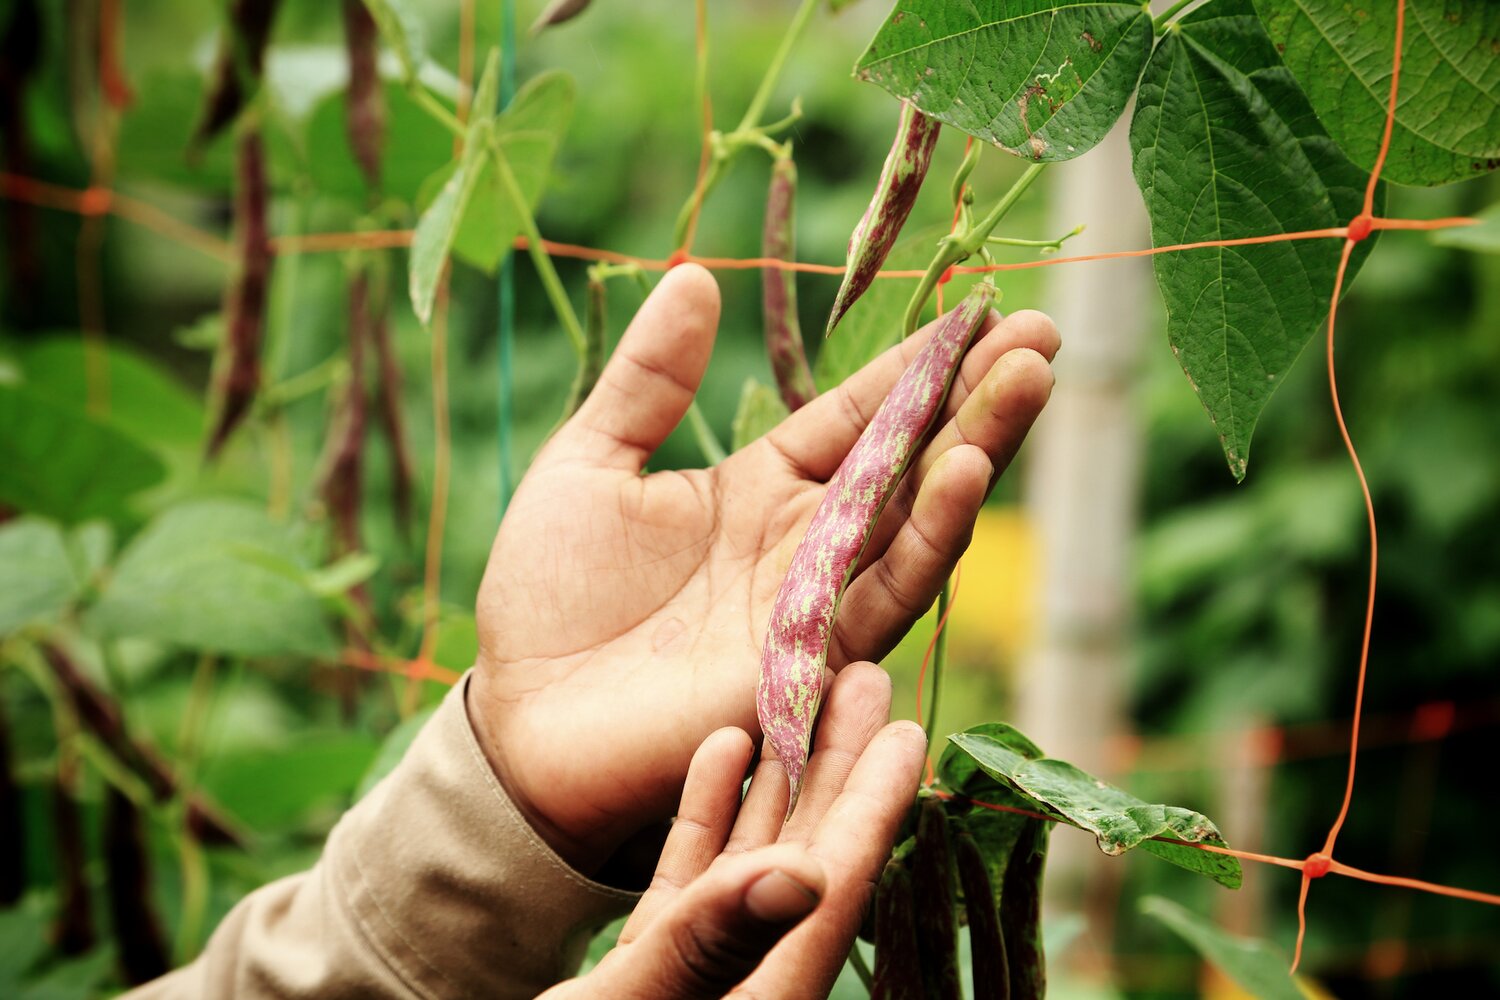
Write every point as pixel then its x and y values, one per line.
pixel 1159 23
pixel 939 657
pixel 708 442
pixel 861 967
pixel 439 112
pixel 749 122
pixel 194 869
pixel 539 256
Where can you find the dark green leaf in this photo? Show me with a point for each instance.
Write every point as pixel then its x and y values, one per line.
pixel 392 750
pixel 1448 115
pixel 1118 820
pixel 415 146
pixel 1483 238
pixel 760 410
pixel 1043 79
pixel 529 133
pixel 207 575
pixel 270 790
pixel 144 401
pixel 1225 146
pixel 37 579
pixel 57 461
pixel 1256 967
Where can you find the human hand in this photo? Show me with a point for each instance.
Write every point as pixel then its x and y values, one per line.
pixel 621 616
pixel 743 906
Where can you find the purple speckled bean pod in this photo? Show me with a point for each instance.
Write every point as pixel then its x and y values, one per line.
pixel 558 12
pixel 796 649
pixel 900 180
pixel 779 299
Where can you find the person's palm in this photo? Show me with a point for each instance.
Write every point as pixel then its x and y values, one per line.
pixel 622 616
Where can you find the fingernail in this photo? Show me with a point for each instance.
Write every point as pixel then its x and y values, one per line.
pixel 777 898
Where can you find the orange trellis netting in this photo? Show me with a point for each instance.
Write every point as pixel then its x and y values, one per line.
pixel 99 199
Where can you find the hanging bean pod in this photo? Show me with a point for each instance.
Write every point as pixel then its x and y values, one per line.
pixel 987 945
pixel 237 66
pixel 895 194
pixel 779 289
pixel 937 915
pixel 1021 913
pixel 388 396
pixel 364 100
pixel 246 308
pixel 898 958
pixel 139 941
pixel 796 649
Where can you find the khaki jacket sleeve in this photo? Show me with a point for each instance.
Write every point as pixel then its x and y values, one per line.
pixel 432 886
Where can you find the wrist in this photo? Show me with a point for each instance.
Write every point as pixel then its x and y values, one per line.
pixel 493 717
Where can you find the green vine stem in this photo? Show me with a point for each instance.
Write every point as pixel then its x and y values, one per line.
pixel 861 967
pixel 749 131
pixel 962 245
pixel 1160 22
pixel 194 865
pixel 538 253
pixel 708 442
pixel 939 656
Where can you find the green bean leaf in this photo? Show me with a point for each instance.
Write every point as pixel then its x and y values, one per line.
pixel 1118 820
pixel 402 30
pixel 1042 79
pixel 1225 146
pixel 1447 124
pixel 1255 966
pixel 760 410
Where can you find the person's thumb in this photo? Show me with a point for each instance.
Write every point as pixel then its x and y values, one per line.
pixel 720 929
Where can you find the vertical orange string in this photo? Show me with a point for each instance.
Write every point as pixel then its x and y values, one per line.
pixel 1359 228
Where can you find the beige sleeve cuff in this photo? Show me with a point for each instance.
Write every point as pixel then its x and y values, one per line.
pixel 432 886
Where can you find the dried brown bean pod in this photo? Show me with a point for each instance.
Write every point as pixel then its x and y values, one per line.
pixel 937 910
pixel 342 484
pixel 779 289
pixel 244 323
pixel 12 824
pixel 73 927
pixel 101 716
pixel 138 935
pixel 987 945
pixel 1021 913
pixel 898 961
pixel 557 12
pixel 388 396
pixel 364 100
pixel 21 48
pixel 895 194
pixel 237 65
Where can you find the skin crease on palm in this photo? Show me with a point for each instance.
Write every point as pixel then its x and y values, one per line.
pixel 622 615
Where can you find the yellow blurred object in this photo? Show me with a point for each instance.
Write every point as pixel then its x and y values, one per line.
pixel 993 617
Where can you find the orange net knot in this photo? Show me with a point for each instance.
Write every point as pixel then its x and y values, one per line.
pixel 679 256
pixel 1433 721
pixel 1316 865
pixel 947 275
pixel 1360 226
pixel 95 201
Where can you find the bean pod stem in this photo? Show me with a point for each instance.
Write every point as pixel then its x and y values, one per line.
pixel 788 357
pixel 796 648
pixel 895 194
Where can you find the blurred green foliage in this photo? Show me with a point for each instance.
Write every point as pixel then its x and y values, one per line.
pixel 152 569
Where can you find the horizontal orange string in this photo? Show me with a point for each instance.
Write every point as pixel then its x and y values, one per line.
pixel 94 201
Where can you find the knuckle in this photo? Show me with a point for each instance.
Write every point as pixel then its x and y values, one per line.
pixel 712 958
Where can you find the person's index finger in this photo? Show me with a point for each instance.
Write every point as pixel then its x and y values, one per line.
pixel 818 436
